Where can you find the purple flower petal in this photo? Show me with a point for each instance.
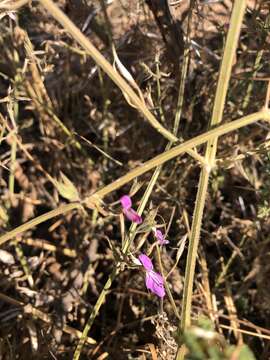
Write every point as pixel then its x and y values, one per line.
pixel 146 262
pixel 160 237
pixel 126 202
pixel 154 282
pixel 132 215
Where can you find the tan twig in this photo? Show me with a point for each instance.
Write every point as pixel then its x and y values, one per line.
pixel 11 5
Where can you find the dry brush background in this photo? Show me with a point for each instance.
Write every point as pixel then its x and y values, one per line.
pixel 61 114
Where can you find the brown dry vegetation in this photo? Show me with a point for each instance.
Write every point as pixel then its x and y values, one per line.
pixel 61 114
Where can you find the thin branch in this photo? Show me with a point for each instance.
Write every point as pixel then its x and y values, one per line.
pixel 93 199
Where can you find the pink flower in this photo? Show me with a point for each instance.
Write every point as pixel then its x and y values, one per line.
pixel 130 213
pixel 153 280
pixel 160 237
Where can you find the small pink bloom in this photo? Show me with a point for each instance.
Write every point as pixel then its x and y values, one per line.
pixel 153 280
pixel 126 202
pixel 130 213
pixel 160 237
pixel 146 262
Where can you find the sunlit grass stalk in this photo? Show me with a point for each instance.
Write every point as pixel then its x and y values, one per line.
pixel 159 99
pixel 184 71
pixel 12 6
pixel 168 290
pixel 256 68
pixel 12 165
pixel 180 100
pixel 220 97
pixel 94 313
pixel 264 114
pixel 58 14
pixel 251 83
pixel 104 64
pixel 13 111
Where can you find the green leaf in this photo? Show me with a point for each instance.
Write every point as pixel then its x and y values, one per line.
pixel 66 188
pixel 241 354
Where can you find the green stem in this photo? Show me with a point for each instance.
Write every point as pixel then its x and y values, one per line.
pixel 12 165
pixel 94 313
pixel 251 83
pixel 222 88
pixel 184 70
pixel 168 290
pixel 192 249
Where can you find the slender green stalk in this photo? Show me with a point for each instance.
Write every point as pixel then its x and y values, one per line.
pixel 222 88
pixel 168 290
pixel 94 313
pixel 184 70
pixel 12 165
pixel 132 230
pixel 254 74
pixel 91 200
pixel 256 67
pixel 192 249
pixel 159 99
pixel 180 100
pixel 111 72
pixel 126 246
pixel 13 111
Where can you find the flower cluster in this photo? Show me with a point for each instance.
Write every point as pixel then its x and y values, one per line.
pixel 133 216
pixel 153 280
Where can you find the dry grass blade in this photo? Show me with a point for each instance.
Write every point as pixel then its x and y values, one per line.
pixel 221 92
pixel 11 5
